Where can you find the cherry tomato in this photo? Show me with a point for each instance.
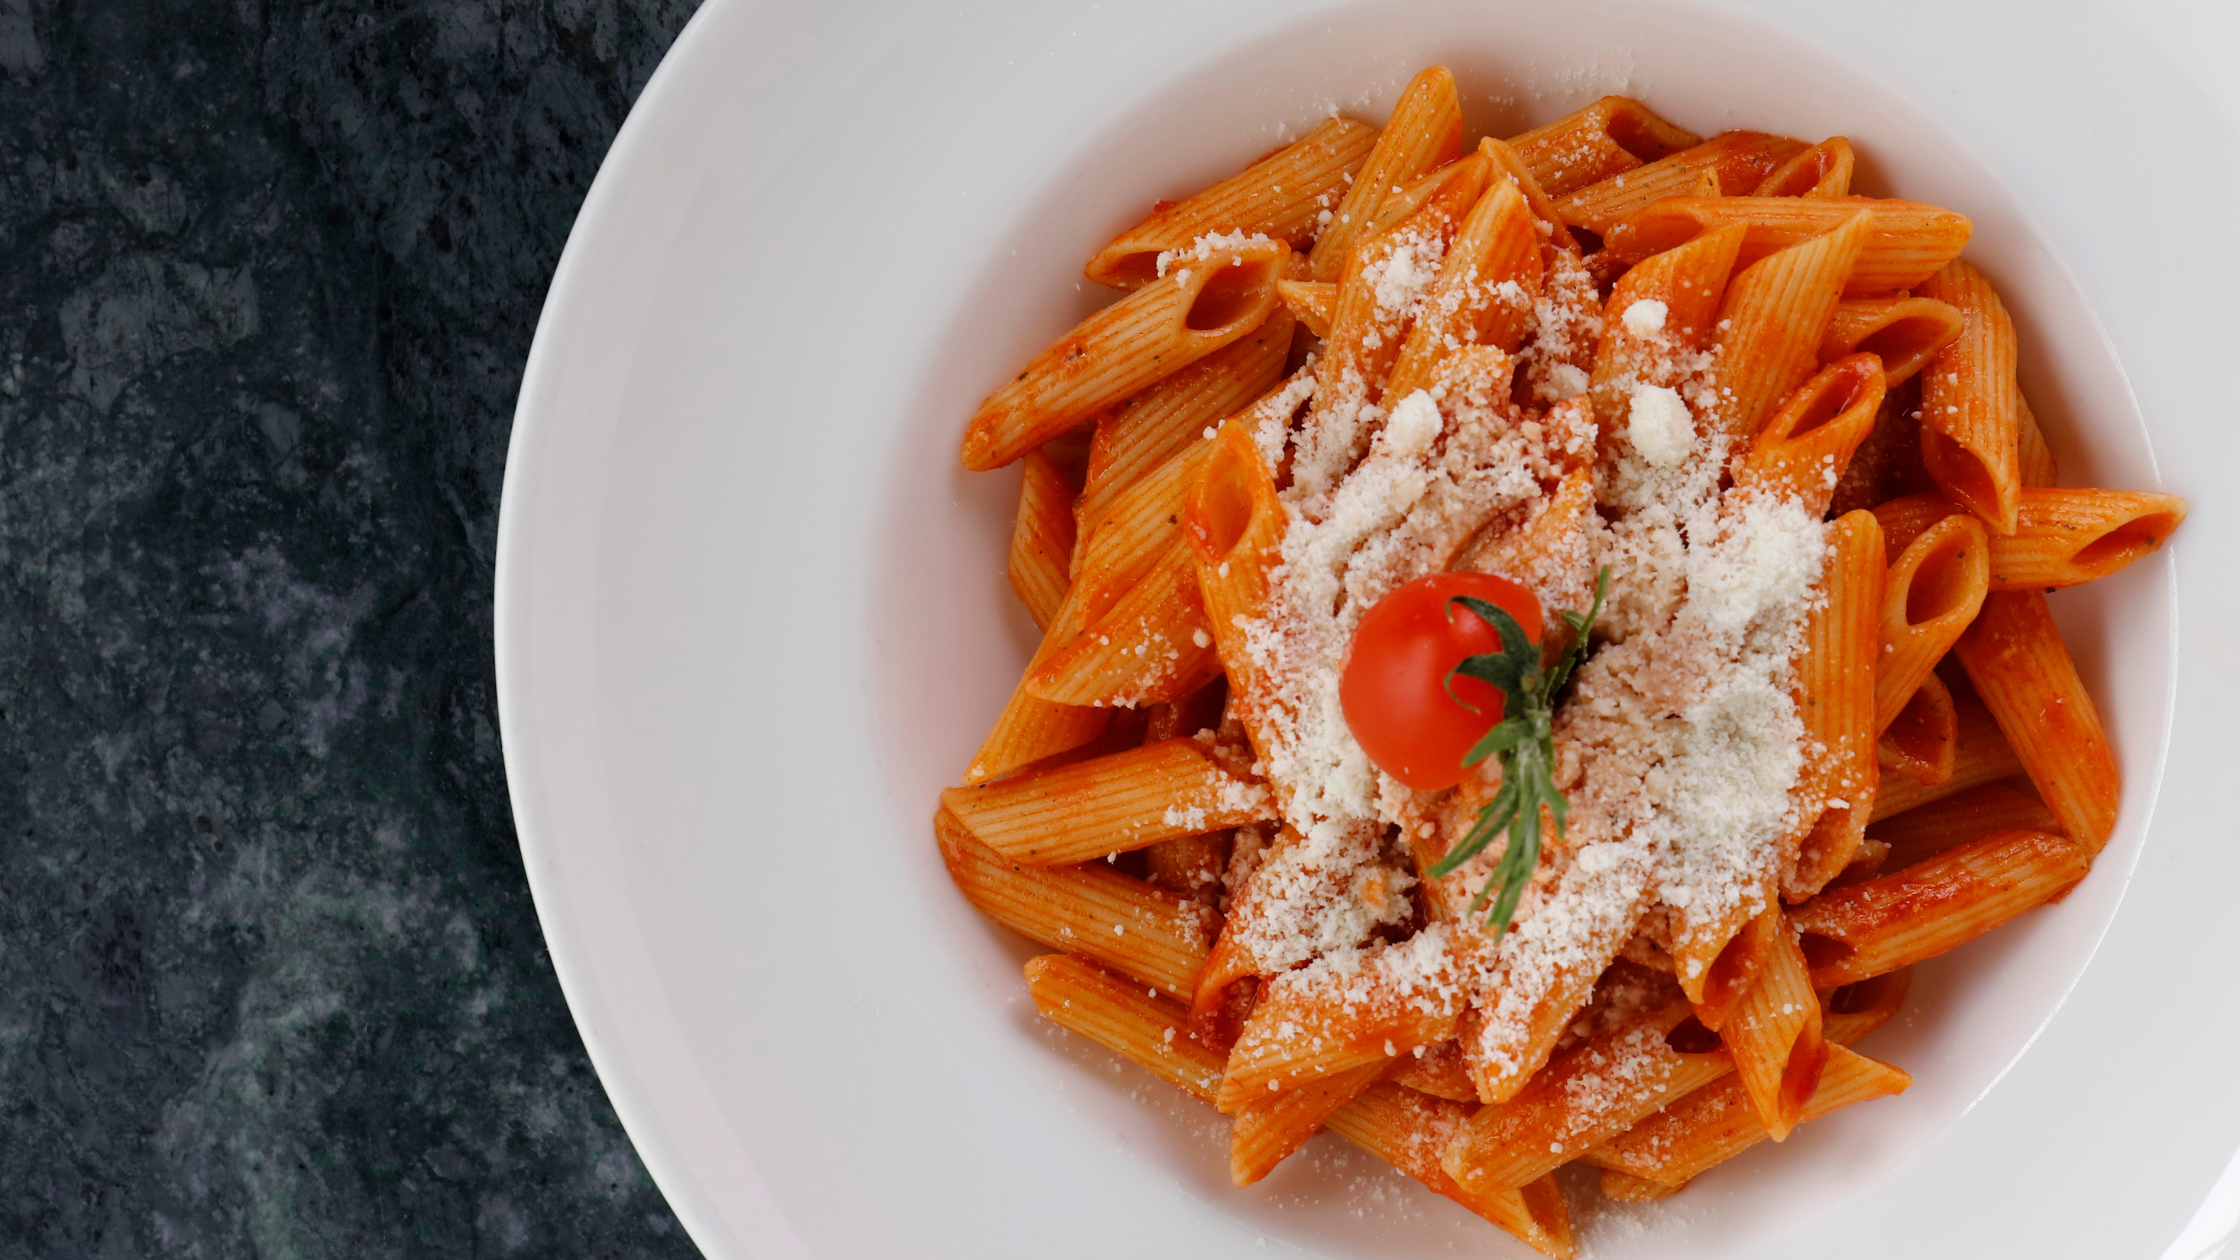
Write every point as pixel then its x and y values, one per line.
pixel 1392 687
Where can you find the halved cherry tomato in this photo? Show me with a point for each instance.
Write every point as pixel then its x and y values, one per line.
pixel 1393 685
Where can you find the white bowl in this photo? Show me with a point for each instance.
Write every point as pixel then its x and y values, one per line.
pixel 752 615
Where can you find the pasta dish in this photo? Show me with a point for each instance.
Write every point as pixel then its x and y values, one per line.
pixel 1538 637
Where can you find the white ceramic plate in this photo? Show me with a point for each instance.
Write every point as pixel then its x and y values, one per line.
pixel 751 615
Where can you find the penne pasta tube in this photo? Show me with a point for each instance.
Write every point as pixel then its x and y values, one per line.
pixel 1849 1012
pixel 1235 525
pixel 1152 646
pixel 1437 1070
pixel 1150 1031
pixel 1731 973
pixel 1423 134
pixel 1368 324
pixel 1141 433
pixel 1311 302
pixel 1688 283
pixel 1610 137
pixel 1775 1033
pixel 1408 1130
pixel 1904 332
pixel 1627 1188
pixel 1308 1024
pixel 1509 164
pixel 1906 241
pixel 1042 538
pixel 1484 292
pixel 1030 728
pixel 1971 403
pixel 1734 162
pixel 1803 448
pixel 1457 186
pixel 1863 930
pixel 1980 755
pixel 2063 537
pixel 2016 660
pixel 1835 697
pixel 1824 170
pixel 1933 592
pixel 1266 1133
pixel 1137 529
pixel 1905 519
pixel 2031 453
pixel 1152 936
pixel 1110 804
pixel 1161 328
pixel 1771 322
pixel 1550 550
pixel 1590 1094
pixel 1921 742
pixel 1282 196
pixel 1917 835
pixel 1718 1122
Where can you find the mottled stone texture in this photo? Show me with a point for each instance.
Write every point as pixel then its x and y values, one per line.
pixel 270 980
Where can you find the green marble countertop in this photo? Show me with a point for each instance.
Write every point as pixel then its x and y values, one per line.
pixel 270 980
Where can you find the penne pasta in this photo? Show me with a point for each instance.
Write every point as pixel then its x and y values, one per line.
pixel 1904 332
pixel 1933 592
pixel 1110 804
pixel 1592 1094
pixel 1864 930
pixel 1923 740
pixel 1152 646
pixel 1718 1122
pixel 1235 526
pixel 1980 755
pixel 1197 308
pixel 1771 322
pixel 1906 242
pixel 1408 1130
pixel 2061 537
pixel 1699 515
pixel 1310 302
pixel 2016 660
pixel 1437 1070
pixel 1423 134
pixel 1920 834
pixel 1152 936
pixel 1042 538
pixel 1802 449
pixel 1824 170
pixel 1726 165
pixel 1775 1035
pixel 1031 729
pixel 1627 1188
pixel 1283 196
pixel 1507 163
pixel 2064 537
pixel 1688 283
pixel 1141 433
pixel 1484 292
pixel 1366 331
pixel 1971 403
pixel 1610 137
pixel 1835 697
pixel 1149 1031
pixel 2032 456
pixel 1266 1133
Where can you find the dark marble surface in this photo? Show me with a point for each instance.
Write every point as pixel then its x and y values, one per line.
pixel 270 979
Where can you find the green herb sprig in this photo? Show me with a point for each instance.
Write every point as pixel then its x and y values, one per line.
pixel 1525 741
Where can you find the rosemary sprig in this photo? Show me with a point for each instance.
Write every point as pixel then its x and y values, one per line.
pixel 1525 741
